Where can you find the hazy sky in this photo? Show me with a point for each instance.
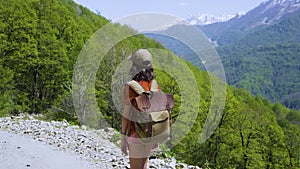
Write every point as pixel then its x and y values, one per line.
pixel 116 9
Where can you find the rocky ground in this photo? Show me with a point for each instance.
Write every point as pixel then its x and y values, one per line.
pixel 26 142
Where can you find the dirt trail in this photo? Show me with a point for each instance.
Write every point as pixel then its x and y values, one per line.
pixel 21 152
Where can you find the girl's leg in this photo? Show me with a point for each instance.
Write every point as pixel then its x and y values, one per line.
pixel 138 154
pixel 136 163
pixel 145 162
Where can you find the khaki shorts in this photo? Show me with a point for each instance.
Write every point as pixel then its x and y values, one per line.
pixel 139 150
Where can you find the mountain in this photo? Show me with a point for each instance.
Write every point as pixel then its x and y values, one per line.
pixel 267 62
pixel 267 13
pixel 41 50
pixel 206 19
pixel 259 50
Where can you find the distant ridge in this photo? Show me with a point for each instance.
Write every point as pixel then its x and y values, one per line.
pixel 206 19
pixel 259 50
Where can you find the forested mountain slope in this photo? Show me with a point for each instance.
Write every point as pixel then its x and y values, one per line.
pixel 40 43
pixel 267 62
pixel 259 51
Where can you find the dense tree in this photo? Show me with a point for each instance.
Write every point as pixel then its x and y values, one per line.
pixel 41 41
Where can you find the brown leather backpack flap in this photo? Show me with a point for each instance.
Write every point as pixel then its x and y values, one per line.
pixel 142 102
pixel 156 101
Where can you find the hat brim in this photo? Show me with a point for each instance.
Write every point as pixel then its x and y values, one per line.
pixel 129 58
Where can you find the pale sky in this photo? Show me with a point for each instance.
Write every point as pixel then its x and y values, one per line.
pixel 116 9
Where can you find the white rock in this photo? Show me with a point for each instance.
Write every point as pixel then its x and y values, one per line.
pixel 92 145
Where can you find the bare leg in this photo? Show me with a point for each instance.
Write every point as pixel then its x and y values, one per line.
pixel 145 161
pixel 138 154
pixel 136 163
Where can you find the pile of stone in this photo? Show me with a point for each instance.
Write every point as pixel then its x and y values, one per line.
pixel 92 145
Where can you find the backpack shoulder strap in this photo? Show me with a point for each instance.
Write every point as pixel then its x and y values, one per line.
pixel 139 89
pixel 154 86
pixel 136 87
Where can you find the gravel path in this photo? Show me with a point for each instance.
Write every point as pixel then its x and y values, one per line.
pixel 21 152
pixel 28 143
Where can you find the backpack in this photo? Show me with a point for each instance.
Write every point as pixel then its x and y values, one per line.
pixel 152 113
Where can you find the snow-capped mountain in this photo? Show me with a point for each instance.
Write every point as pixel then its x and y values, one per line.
pixel 268 12
pixel 267 34
pixel 206 19
pixel 271 11
pixel 265 14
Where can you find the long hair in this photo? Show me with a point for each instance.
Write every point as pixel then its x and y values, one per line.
pixel 146 74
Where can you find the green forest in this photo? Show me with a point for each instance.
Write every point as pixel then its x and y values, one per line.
pixel 40 44
pixel 266 61
pixel 263 59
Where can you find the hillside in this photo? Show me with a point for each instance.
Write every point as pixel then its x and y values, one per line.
pixel 267 62
pixel 42 43
pixel 262 57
